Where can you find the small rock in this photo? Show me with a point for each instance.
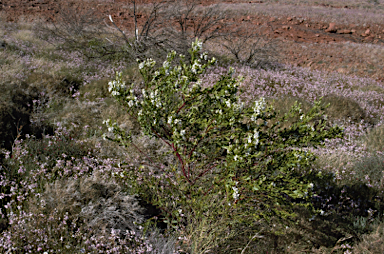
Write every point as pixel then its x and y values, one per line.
pixel 286 27
pixel 367 32
pixel 344 31
pixel 353 31
pixel 341 70
pixel 272 19
pixel 289 19
pixel 317 35
pixel 331 28
pixel 369 38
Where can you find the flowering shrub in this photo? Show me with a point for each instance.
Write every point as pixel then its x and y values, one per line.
pixel 224 149
pixel 68 203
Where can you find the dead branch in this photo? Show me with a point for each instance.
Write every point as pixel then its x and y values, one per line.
pixel 250 48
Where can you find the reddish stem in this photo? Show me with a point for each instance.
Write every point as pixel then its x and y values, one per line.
pixel 182 106
pixel 193 149
pixel 182 164
pixel 203 173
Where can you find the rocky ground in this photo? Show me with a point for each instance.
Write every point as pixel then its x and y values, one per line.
pixel 346 48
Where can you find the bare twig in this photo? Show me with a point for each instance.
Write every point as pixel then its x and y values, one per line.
pixel 249 47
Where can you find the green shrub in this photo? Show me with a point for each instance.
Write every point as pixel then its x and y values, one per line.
pixel 227 168
pixel 16 104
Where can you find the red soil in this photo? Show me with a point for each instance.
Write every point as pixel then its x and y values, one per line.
pixel 283 28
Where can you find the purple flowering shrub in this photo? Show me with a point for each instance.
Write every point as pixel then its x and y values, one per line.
pixel 57 197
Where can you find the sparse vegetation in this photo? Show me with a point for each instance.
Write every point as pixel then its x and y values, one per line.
pixel 64 189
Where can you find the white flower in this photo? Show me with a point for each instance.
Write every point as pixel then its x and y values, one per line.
pixel 228 102
pixel 197 45
pixel 170 120
pixel 259 105
pixel 256 134
pixel 250 138
pixel 195 67
pixel 111 85
pixel 235 158
pixel 256 138
pixel 149 63
pixel 182 133
pixel 115 93
pixel 236 194
pixel 141 65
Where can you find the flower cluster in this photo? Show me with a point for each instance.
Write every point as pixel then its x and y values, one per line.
pixel 149 63
pixel 258 108
pixel 253 138
pixel 197 45
pixel 115 86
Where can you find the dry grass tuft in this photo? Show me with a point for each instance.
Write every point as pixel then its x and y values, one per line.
pixel 343 108
pixel 374 140
pixel 97 203
pixel 372 243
